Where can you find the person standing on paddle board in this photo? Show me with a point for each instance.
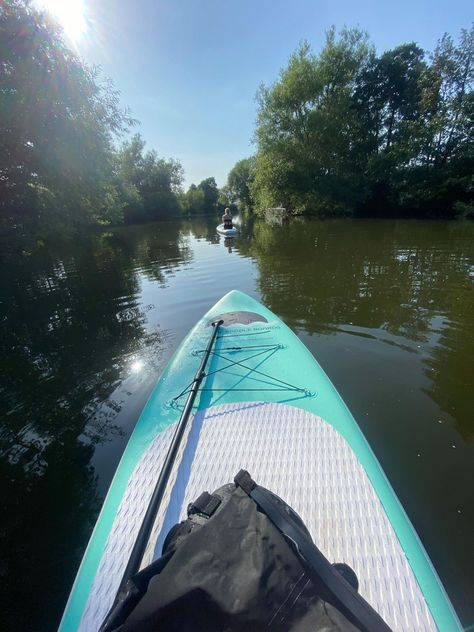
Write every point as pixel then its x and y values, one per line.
pixel 227 219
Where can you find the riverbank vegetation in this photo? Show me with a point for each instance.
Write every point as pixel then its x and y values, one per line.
pixel 350 132
pixel 341 132
pixel 62 164
pixel 58 120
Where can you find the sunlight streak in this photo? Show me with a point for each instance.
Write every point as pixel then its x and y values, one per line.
pixel 136 366
pixel 70 14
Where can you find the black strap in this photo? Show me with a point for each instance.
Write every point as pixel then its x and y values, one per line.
pixel 245 482
pixel 340 593
pixel 205 505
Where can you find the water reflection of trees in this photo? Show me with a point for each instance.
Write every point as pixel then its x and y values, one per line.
pixel 388 276
pixel 450 365
pixel 70 319
pixel 394 276
pixel 203 227
pixel 154 248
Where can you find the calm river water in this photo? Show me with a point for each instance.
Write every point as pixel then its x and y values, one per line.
pixel 386 306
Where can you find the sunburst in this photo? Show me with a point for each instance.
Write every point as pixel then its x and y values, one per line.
pixel 70 14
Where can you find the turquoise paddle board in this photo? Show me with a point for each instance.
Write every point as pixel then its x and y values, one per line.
pixel 264 405
pixel 227 232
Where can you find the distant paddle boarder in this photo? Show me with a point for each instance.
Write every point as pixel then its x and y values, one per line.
pixel 227 219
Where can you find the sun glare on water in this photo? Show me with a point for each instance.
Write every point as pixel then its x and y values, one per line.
pixel 70 14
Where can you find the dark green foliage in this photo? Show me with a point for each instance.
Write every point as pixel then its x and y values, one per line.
pixel 149 185
pixel 347 131
pixel 239 182
pixel 202 198
pixel 210 192
pixel 57 122
pixel 59 119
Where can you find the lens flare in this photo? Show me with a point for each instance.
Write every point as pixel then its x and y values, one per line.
pixel 70 14
pixel 136 366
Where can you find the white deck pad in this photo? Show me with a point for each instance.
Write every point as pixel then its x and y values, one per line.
pixel 301 458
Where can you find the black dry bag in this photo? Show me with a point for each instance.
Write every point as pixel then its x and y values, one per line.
pixel 242 561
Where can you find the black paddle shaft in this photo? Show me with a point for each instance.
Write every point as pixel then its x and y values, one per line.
pixel 138 550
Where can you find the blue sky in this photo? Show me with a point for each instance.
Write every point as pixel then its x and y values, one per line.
pixel 189 69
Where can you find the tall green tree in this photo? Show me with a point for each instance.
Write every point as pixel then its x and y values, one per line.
pixel 211 193
pixel 448 100
pixel 348 131
pixel 202 198
pixel 150 186
pixel 58 120
pixel 440 178
pixel 239 182
pixel 388 94
pixel 306 157
pixel 193 200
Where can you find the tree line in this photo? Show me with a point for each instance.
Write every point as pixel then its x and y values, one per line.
pixel 342 132
pixel 350 132
pixel 61 164
pixel 151 187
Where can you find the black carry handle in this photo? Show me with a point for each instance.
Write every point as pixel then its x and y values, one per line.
pixel 148 521
pixel 340 593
